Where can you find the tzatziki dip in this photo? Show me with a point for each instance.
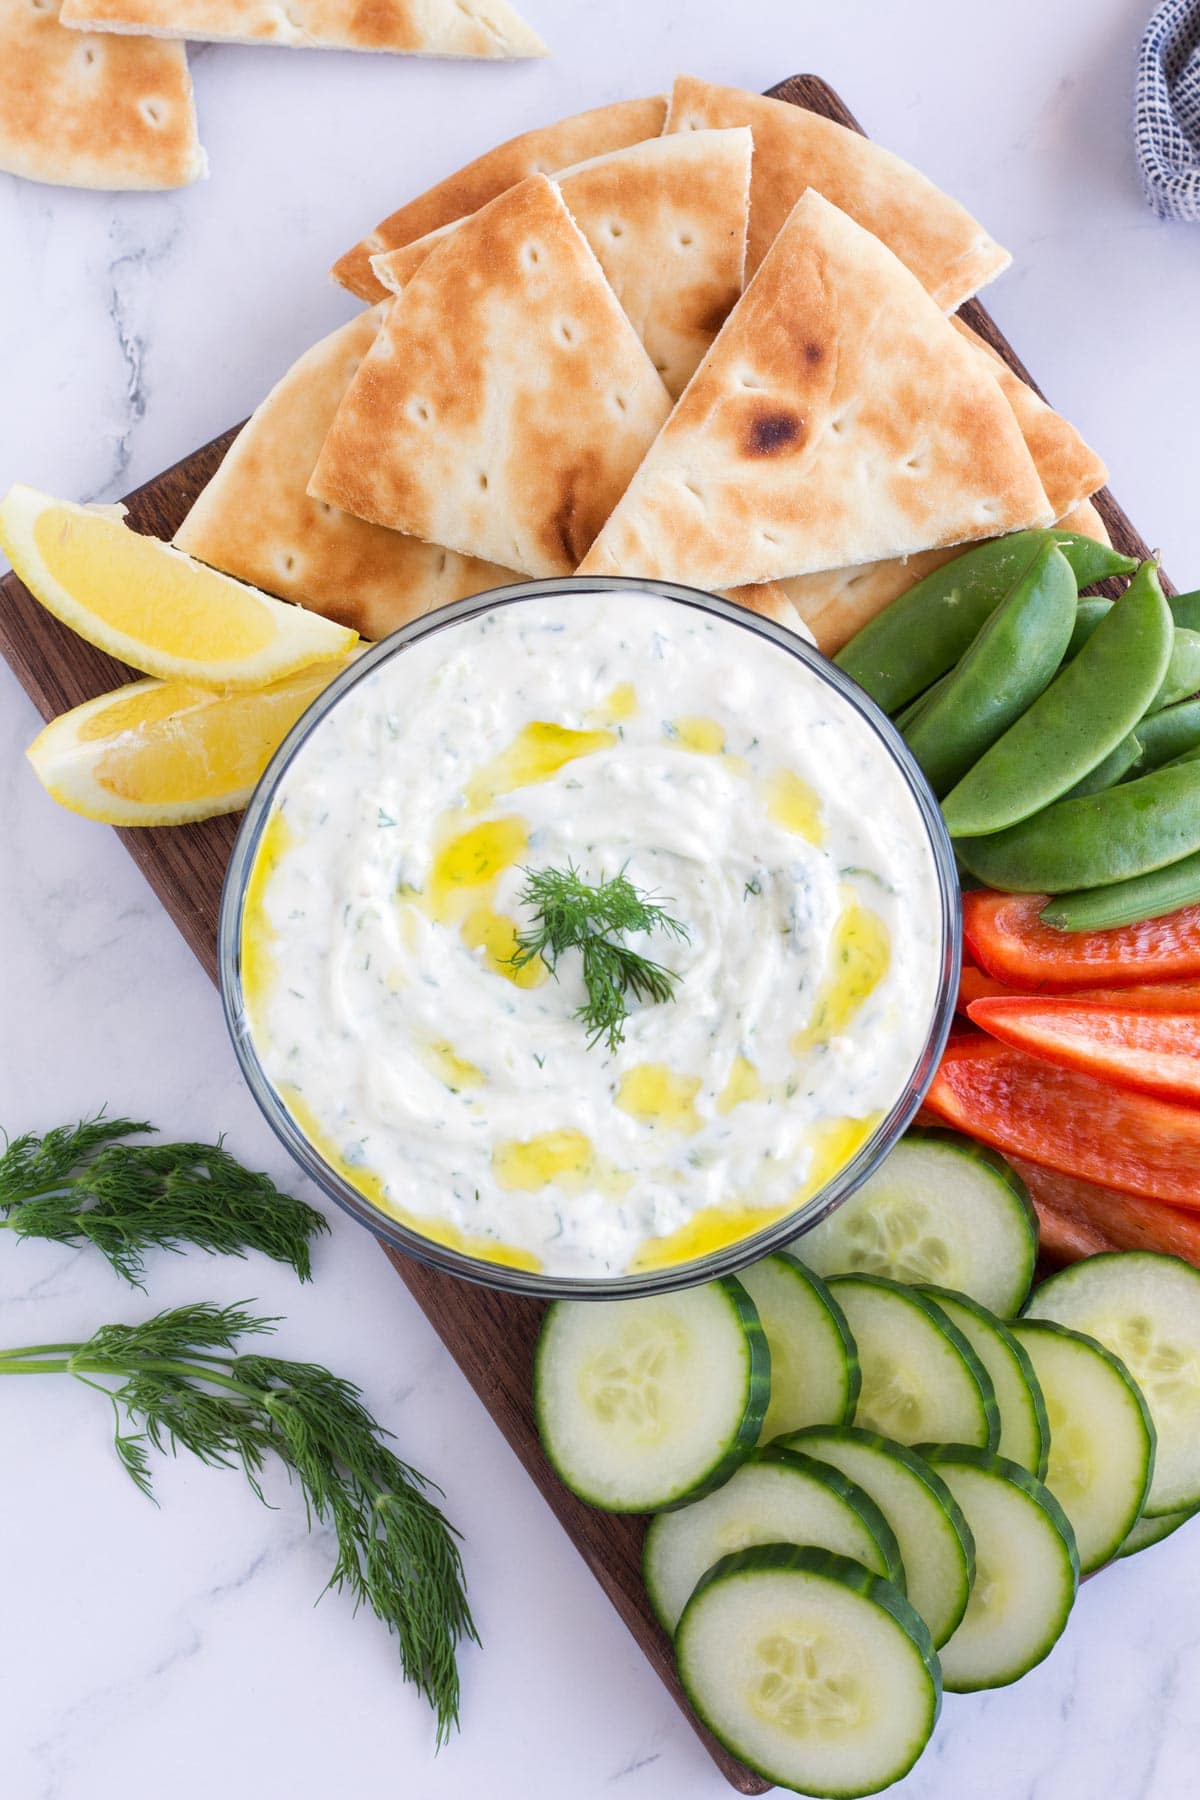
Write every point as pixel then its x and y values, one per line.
pixel 606 734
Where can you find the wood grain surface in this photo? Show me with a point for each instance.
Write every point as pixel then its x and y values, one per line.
pixel 491 1335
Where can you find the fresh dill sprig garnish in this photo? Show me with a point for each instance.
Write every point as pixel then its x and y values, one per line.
pixel 172 1389
pixel 80 1184
pixel 571 914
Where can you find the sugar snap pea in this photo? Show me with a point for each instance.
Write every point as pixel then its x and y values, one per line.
pixel 1167 734
pixel 1015 656
pixel 1185 610
pixel 921 635
pixel 1183 671
pixel 904 718
pixel 1090 560
pixel 1092 704
pixel 1124 832
pixel 1127 902
pixel 1088 615
pixel 1115 766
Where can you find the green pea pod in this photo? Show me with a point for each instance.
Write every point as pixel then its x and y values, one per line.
pixel 1090 560
pixel 1014 657
pixel 1128 902
pixel 1124 832
pixel 1183 671
pixel 1168 734
pixel 1088 708
pixel 1185 610
pixel 1114 768
pixel 914 641
pixel 1088 614
pixel 1185 756
pixel 908 714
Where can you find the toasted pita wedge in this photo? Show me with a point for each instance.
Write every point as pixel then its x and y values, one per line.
pixel 542 151
pixel 1068 468
pixel 948 251
pixel 838 602
pixel 667 220
pixel 255 520
pixel 835 603
pixel 506 400
pixel 1086 520
pixel 97 112
pixel 487 28
pixel 838 418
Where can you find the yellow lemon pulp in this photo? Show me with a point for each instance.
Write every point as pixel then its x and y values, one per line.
pixel 656 1095
pixel 142 588
pixel 796 806
pixel 371 1188
pixel 161 752
pixel 539 750
pixel 858 961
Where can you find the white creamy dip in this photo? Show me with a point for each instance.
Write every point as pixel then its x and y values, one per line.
pixel 614 732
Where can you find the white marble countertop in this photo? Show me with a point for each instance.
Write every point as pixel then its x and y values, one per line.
pixel 176 1651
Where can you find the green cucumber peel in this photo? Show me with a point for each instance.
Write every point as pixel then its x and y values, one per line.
pixel 1092 704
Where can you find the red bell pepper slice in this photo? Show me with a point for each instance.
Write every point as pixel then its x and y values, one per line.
pixel 974 985
pixel 1068 1121
pixel 1009 942
pixel 1155 1052
pixel 1078 1218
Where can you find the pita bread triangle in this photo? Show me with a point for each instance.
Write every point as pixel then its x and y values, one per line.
pixel 97 112
pixel 506 400
pixel 542 151
pixel 948 251
pixel 1070 470
pixel 667 221
pixel 255 520
pixel 838 602
pixel 487 28
pixel 838 418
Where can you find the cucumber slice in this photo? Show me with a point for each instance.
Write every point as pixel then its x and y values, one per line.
pixel 1152 1531
pixel 645 1404
pixel 942 1210
pixel 1026 1569
pixel 1024 1427
pixel 921 1380
pixel 1101 1437
pixel 810 1670
pixel 814 1362
pixel 935 1541
pixel 777 1497
pixel 1145 1308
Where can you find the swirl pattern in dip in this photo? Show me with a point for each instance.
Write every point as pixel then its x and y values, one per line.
pixel 613 732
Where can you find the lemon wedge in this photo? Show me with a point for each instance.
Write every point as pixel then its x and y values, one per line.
pixel 151 606
pixel 166 752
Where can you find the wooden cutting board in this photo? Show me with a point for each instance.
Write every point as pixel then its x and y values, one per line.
pixel 490 1335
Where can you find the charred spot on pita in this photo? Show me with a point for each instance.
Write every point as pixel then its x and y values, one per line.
pixel 814 353
pixel 772 430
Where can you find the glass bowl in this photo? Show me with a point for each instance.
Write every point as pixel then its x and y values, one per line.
pixel 731 1257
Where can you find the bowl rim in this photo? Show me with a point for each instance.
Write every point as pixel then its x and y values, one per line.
pixel 731 1257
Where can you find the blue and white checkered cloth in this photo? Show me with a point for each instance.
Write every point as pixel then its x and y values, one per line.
pixel 1167 110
